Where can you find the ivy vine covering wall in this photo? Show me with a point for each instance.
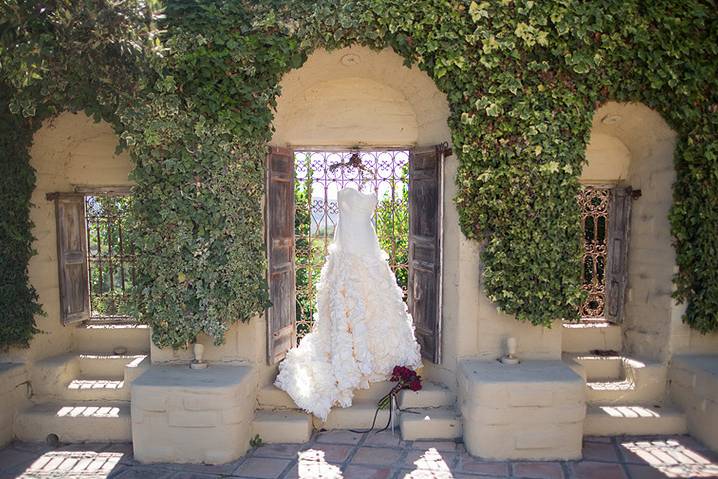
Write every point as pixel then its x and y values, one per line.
pixel 523 78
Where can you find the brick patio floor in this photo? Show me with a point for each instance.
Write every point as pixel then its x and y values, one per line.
pixel 342 454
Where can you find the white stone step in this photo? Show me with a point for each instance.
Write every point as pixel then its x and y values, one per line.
pixel 587 336
pixel 599 367
pixel 136 367
pixel 282 426
pixel 375 391
pixel 643 382
pixel 271 397
pixel 111 389
pixel 430 395
pixel 358 416
pixel 50 376
pixel 430 423
pixel 75 422
pixel 106 338
pixel 633 420
pixel 107 365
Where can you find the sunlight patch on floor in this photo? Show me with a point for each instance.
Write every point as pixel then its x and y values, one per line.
pixel 671 458
pixel 95 384
pixel 89 411
pixel 625 385
pixel 81 464
pixel 312 464
pixel 630 411
pixel 430 465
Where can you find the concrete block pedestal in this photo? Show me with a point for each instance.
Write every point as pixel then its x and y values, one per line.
pixel 192 416
pixel 532 410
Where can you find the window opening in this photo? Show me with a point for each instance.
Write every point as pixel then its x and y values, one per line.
pixel 110 256
pixel 317 212
pixel 594 204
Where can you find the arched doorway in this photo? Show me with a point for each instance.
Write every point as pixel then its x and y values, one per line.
pixel 358 100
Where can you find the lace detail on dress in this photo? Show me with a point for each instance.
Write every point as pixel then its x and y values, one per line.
pixel 362 328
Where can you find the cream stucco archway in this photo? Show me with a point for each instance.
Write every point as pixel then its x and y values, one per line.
pixel 359 97
pixel 356 96
pixel 631 144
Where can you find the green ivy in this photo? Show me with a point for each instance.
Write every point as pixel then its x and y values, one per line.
pixel 18 299
pixel 523 79
pixel 55 56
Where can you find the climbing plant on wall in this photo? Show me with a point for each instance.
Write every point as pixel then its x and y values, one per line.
pixel 522 78
pixel 18 299
pixel 55 56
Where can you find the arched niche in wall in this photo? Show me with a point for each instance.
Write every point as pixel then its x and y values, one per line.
pixel 356 96
pixel 632 145
pixel 608 160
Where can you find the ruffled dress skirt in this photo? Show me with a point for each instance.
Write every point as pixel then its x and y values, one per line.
pixel 362 330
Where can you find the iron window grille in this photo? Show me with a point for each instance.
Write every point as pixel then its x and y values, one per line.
pixel 110 257
pixel 317 214
pixel 594 204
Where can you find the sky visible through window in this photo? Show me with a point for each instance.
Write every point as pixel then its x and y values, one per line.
pixel 386 173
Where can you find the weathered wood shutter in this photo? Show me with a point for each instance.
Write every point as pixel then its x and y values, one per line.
pixel 281 315
pixel 425 228
pixel 72 256
pixel 619 224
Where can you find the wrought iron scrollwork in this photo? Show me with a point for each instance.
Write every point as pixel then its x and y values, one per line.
pixel 319 175
pixel 593 202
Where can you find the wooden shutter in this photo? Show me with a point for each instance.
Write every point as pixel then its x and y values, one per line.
pixel 619 225
pixel 425 231
pixel 72 256
pixel 281 315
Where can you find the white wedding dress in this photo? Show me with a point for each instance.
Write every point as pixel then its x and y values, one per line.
pixel 362 328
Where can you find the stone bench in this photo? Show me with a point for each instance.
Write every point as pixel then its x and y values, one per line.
pixel 532 410
pixel 192 416
pixel 693 385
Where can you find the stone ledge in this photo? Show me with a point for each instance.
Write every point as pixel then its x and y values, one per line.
pixel 196 381
pixel 540 383
pixel 533 410
pixel 186 415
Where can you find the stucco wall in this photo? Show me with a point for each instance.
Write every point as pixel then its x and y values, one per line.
pixel 607 160
pixel 685 339
pixel 371 98
pixel 14 394
pixel 70 150
pixel 632 145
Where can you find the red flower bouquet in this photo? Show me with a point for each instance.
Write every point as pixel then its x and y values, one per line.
pixel 405 378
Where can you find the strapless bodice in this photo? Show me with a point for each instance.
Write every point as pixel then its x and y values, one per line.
pixel 355 232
